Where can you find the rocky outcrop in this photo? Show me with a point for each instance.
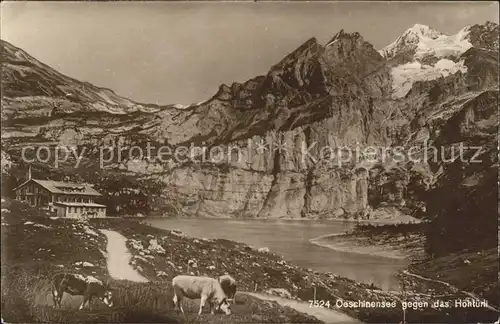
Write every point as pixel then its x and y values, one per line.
pixel 464 200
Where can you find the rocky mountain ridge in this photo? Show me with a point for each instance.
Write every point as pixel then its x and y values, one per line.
pixel 342 95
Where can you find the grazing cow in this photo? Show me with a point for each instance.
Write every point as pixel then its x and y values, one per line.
pixel 208 289
pixel 76 284
pixel 228 284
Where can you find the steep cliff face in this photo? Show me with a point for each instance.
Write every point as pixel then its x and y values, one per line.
pixel 290 143
pixel 311 102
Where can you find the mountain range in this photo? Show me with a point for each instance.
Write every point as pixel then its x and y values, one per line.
pixel 424 88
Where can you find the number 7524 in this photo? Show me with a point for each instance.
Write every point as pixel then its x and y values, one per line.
pixel 319 303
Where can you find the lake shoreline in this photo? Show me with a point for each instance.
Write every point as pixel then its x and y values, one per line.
pixel 345 244
pixel 395 241
pixel 306 220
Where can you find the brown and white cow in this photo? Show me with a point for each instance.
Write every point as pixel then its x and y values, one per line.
pixel 78 285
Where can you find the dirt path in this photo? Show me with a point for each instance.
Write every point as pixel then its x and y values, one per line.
pixel 453 288
pixel 118 259
pixel 323 314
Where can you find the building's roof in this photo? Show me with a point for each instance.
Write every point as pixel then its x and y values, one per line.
pixel 65 187
pixel 78 204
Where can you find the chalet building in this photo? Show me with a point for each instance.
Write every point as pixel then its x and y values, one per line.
pixel 67 199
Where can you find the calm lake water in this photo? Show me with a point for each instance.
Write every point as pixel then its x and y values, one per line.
pixel 290 239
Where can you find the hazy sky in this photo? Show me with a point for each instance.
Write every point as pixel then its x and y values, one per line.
pixel 180 52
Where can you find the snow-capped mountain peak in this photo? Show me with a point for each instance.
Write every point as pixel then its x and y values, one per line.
pixel 424 53
pixel 422 31
pixel 423 41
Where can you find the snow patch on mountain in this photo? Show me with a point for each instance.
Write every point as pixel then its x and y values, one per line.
pixel 405 75
pixel 444 46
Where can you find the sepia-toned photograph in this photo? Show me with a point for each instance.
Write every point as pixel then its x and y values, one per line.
pixel 249 162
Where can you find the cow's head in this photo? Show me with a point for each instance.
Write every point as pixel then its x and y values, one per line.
pixel 225 306
pixel 231 295
pixel 107 297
